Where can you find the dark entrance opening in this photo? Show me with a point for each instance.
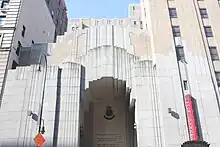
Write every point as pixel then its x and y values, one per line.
pixel 14 64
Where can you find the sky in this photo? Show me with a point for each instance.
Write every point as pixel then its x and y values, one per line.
pixel 98 8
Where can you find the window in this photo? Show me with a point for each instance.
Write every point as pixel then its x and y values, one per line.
pixel 14 64
pixel 52 14
pixel 96 22
pixel 55 37
pixel 180 53
pixel 108 21
pixel 2 20
pixel 83 26
pixel 32 41
pixel 185 84
pixel 4 4
pixel 120 22
pixel 217 75
pixel 1 35
pixel 135 22
pixel 208 31
pixel 176 31
pixel 18 48
pixel 141 24
pixel 23 31
pixel 214 52
pixel 172 12
pixel 203 12
pixel 133 7
pixel 48 1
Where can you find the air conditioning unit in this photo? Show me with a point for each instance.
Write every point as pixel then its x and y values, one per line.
pixel 178 41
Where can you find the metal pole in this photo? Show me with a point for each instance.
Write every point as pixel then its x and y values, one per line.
pixel 42 98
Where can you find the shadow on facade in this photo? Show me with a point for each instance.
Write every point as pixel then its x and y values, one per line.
pixel 197 119
pixel 57 114
pixel 108 115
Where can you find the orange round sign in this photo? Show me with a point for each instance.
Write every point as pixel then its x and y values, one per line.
pixel 39 140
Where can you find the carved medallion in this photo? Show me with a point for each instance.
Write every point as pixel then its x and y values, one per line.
pixel 109 114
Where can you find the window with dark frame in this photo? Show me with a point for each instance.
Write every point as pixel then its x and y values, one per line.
pixel 214 53
pixel 4 4
pixel 18 48
pixel 108 21
pixel 83 26
pixel 203 13
pixel 23 31
pixel 14 64
pixel 176 31
pixel 48 2
pixel 2 19
pixel 172 12
pixel 141 24
pixel 185 84
pixel 180 53
pixel 96 22
pixel 120 22
pixel 52 13
pixel 208 31
pixel 217 75
pixel 133 7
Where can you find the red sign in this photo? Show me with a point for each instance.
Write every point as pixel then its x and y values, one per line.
pixel 191 117
pixel 39 140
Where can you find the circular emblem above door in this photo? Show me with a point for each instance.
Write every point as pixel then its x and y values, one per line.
pixel 109 114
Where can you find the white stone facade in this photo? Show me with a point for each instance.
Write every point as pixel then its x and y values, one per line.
pixel 195 74
pixel 118 63
pixel 36 24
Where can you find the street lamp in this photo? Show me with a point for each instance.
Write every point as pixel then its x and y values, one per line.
pixel 35 117
pixel 77 44
pixel 75 28
pixel 130 39
pixel 42 98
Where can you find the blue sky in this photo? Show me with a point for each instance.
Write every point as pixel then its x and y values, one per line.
pixel 98 8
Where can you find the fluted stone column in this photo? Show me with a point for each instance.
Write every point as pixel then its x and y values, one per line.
pixel 195 144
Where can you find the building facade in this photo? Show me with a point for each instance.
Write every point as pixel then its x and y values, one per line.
pixel 58 12
pixel 77 61
pixel 185 40
pixel 21 27
pixel 142 81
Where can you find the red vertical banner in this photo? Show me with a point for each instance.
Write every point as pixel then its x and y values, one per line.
pixel 191 117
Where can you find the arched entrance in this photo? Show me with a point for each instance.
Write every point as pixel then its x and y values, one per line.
pixel 108 115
